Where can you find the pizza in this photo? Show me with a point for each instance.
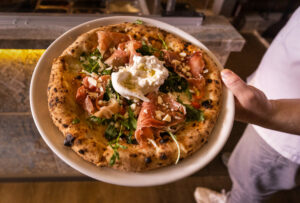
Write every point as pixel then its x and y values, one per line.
pixel 134 97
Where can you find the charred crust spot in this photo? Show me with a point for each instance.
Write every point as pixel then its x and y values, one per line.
pixel 49 87
pixel 65 125
pixel 51 104
pixel 56 99
pixel 81 151
pixel 209 80
pixel 202 140
pixel 148 160
pixel 78 77
pixel 194 124
pixel 133 155
pixel 186 44
pixel 163 156
pixel 217 82
pixel 69 140
pixel 55 89
pixel 207 104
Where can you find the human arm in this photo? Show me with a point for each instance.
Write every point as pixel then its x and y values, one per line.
pixel 252 106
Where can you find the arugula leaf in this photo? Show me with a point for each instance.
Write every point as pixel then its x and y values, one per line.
pixel 139 22
pixel 178 147
pixel 131 119
pixel 174 83
pixel 75 121
pixel 90 62
pixel 106 72
pixel 115 146
pixel 188 93
pixel 110 92
pixel 146 50
pixel 111 132
pixel 192 114
pixel 163 42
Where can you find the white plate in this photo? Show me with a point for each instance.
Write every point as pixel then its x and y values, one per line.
pixel 54 139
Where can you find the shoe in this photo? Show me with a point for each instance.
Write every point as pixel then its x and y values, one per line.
pixel 225 158
pixel 205 195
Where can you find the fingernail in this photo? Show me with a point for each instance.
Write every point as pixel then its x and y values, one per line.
pixel 225 74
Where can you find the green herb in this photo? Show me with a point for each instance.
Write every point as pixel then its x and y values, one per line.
pixel 90 62
pixel 75 121
pixel 192 114
pixel 174 83
pixel 110 92
pixel 178 147
pixel 146 50
pixel 131 119
pixel 188 93
pixel 111 132
pixel 163 42
pixel 139 22
pixel 106 72
pixel 115 146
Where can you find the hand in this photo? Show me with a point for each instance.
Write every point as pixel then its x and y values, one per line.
pixel 251 104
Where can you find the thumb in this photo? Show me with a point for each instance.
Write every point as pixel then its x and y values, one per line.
pixel 234 83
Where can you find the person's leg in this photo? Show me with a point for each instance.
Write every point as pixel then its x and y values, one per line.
pixel 257 170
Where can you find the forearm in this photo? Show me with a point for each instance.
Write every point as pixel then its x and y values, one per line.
pixel 284 116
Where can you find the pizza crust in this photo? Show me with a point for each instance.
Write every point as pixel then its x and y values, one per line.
pixel 90 144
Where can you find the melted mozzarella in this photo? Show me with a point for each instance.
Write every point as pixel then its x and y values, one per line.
pixel 145 75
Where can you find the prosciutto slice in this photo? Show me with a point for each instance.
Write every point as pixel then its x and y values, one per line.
pixel 108 40
pixel 148 125
pixel 82 94
pixel 124 53
pixel 196 64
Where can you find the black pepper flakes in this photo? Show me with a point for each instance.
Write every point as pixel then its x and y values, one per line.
pixel 69 140
pixel 163 157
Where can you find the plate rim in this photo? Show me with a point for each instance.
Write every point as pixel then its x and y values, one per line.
pixel 190 170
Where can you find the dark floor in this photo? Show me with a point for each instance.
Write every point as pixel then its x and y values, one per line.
pixel 214 175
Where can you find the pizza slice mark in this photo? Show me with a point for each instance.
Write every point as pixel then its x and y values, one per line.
pixel 158 115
